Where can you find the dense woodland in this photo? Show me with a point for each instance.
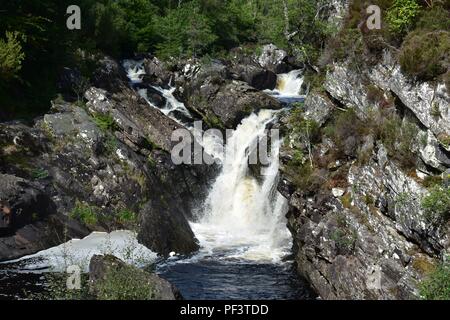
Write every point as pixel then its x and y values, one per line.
pixel 35 42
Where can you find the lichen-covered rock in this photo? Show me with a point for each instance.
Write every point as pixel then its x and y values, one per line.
pixel 318 107
pixel 427 101
pixel 273 59
pixel 111 278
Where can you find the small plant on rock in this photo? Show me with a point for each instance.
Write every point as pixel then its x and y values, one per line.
pixel 84 213
pixel 437 285
pixel 436 204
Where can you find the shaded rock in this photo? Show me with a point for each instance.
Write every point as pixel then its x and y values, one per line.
pixel 105 272
pixel 157 73
pixel 165 229
pixel 109 75
pixel 255 76
pixel 21 203
pixel 153 95
pixel 228 103
pixel 433 154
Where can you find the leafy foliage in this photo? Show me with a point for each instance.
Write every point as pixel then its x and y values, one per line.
pixel 11 55
pixel 437 203
pixel 437 285
pixel 401 15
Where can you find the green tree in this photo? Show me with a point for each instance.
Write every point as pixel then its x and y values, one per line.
pixel 11 55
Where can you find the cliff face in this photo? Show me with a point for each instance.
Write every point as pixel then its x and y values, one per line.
pixel 361 231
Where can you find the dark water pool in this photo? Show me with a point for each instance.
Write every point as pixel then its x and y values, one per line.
pixel 198 280
pixel 224 280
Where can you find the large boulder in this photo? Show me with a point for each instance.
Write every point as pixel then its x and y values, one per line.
pixel 139 122
pixel 29 221
pixel 21 202
pixel 255 76
pixel 224 103
pixel 164 229
pixel 157 73
pixel 273 59
pixel 112 279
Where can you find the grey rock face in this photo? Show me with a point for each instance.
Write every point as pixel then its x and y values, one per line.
pixel 103 268
pixel 429 103
pixel 272 58
pixel 318 107
pixel 225 103
pixel 368 237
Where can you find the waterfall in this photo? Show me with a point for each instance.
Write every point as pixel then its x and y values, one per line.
pixel 135 70
pixel 244 217
pixel 173 109
pixel 288 85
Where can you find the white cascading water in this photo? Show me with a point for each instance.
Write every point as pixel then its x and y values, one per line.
pixel 136 71
pixel 288 84
pixel 244 218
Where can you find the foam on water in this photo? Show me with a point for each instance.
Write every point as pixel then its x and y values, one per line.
pixel 122 244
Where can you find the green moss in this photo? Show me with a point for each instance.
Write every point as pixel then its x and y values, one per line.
pixel 444 139
pixel 127 217
pixel 105 122
pixel 369 200
pixel 111 144
pixel 346 200
pixel 39 174
pixel 84 213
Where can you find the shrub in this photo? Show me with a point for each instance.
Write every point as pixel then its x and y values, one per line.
pixel 432 181
pixel 436 204
pixel 11 55
pixel 84 213
pixel 437 285
pixel 424 55
pixel 343 126
pixel 125 283
pixel 401 16
pixel 344 240
pixel 398 137
pixel 436 18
